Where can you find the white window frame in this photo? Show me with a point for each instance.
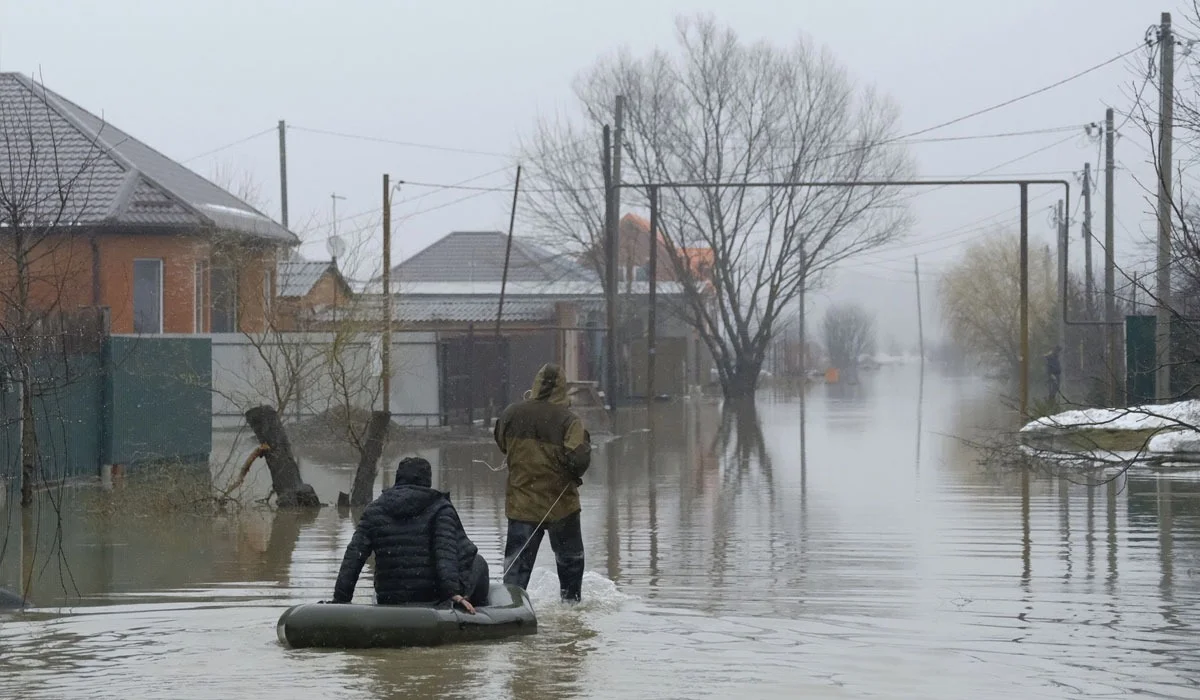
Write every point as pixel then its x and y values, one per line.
pixel 200 294
pixel 162 296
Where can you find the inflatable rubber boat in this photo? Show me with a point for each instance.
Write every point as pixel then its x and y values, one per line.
pixel 509 613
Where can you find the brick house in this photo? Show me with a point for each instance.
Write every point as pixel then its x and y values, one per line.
pixel 112 222
pixel 304 290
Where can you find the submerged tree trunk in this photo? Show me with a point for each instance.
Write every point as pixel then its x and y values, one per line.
pixel 363 489
pixel 290 490
pixel 29 446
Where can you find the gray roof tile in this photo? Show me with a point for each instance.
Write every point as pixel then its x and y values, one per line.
pixel 295 278
pixel 478 256
pixel 116 178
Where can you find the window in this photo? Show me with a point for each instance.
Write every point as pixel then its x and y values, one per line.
pixel 200 294
pixel 223 282
pixel 268 282
pixel 147 296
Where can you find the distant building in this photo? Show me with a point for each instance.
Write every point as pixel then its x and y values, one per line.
pixel 554 311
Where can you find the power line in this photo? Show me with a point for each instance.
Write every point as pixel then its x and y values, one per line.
pixel 1026 96
pixel 239 142
pixel 396 142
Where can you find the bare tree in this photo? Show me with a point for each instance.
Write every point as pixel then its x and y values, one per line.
pixel 722 111
pixel 849 334
pixel 46 180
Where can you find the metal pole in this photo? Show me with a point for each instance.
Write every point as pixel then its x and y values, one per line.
pixel 283 189
pixel 1162 335
pixel 610 276
pixel 1113 352
pixel 386 371
pixel 1024 310
pixel 651 326
pixel 618 141
pixel 1061 234
pixel 920 321
pixel 512 217
pixel 1089 282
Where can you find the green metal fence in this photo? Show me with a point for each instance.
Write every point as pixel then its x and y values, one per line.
pixel 139 399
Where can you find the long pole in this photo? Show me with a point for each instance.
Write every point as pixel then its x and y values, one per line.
pixel 1089 282
pixel 386 371
pixel 283 189
pixel 1061 235
pixel 920 321
pixel 1024 311
pixel 610 275
pixel 1112 351
pixel 1162 335
pixel 651 325
pixel 512 218
pixel 803 371
pixel 618 145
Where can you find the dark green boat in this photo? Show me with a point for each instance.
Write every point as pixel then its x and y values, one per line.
pixel 509 613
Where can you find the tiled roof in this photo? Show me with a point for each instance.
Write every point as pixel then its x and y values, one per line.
pixel 107 176
pixel 470 311
pixel 478 256
pixel 457 310
pixel 296 278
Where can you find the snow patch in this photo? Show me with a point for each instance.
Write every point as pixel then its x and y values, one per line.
pixel 1137 418
pixel 1176 442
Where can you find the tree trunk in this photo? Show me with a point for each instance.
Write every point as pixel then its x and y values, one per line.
pixel 742 382
pixel 290 490
pixel 29 446
pixel 363 489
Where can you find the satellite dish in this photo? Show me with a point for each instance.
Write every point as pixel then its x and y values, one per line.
pixel 335 246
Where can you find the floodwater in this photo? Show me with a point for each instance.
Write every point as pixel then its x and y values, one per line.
pixel 886 563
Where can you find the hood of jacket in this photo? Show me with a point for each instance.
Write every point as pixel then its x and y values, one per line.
pixel 404 501
pixel 550 385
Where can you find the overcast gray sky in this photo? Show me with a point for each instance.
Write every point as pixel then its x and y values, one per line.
pixel 189 76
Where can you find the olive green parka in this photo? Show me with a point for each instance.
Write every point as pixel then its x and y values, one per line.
pixel 548 451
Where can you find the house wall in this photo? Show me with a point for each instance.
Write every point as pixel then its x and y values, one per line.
pixel 290 312
pixel 68 272
pixel 179 255
pixel 294 369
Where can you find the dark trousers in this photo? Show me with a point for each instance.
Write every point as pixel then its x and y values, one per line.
pixel 479 583
pixel 566 539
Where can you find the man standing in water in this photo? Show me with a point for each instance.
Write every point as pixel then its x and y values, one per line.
pixel 548 453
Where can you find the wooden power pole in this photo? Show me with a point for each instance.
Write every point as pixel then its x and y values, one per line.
pixel 1162 335
pixel 283 188
pixel 1112 331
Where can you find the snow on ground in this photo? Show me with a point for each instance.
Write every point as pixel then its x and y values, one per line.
pixel 1138 418
pixel 1176 442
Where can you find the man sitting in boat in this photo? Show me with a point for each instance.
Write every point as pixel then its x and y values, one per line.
pixel 422 552
pixel 548 453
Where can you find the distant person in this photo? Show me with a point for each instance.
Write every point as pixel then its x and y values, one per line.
pixel 422 552
pixel 1054 372
pixel 548 453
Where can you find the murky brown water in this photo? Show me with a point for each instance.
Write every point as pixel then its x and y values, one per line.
pixel 884 567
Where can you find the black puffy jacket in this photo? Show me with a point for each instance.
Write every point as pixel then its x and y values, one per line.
pixel 422 553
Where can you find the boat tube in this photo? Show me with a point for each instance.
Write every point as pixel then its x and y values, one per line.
pixel 509 613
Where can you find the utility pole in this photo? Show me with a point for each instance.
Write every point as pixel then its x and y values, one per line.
pixel 1024 310
pixel 1089 283
pixel 618 145
pixel 1110 269
pixel 610 275
pixel 283 206
pixel 1060 222
pixel 920 322
pixel 386 371
pixel 651 327
pixel 803 371
pixel 1162 335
